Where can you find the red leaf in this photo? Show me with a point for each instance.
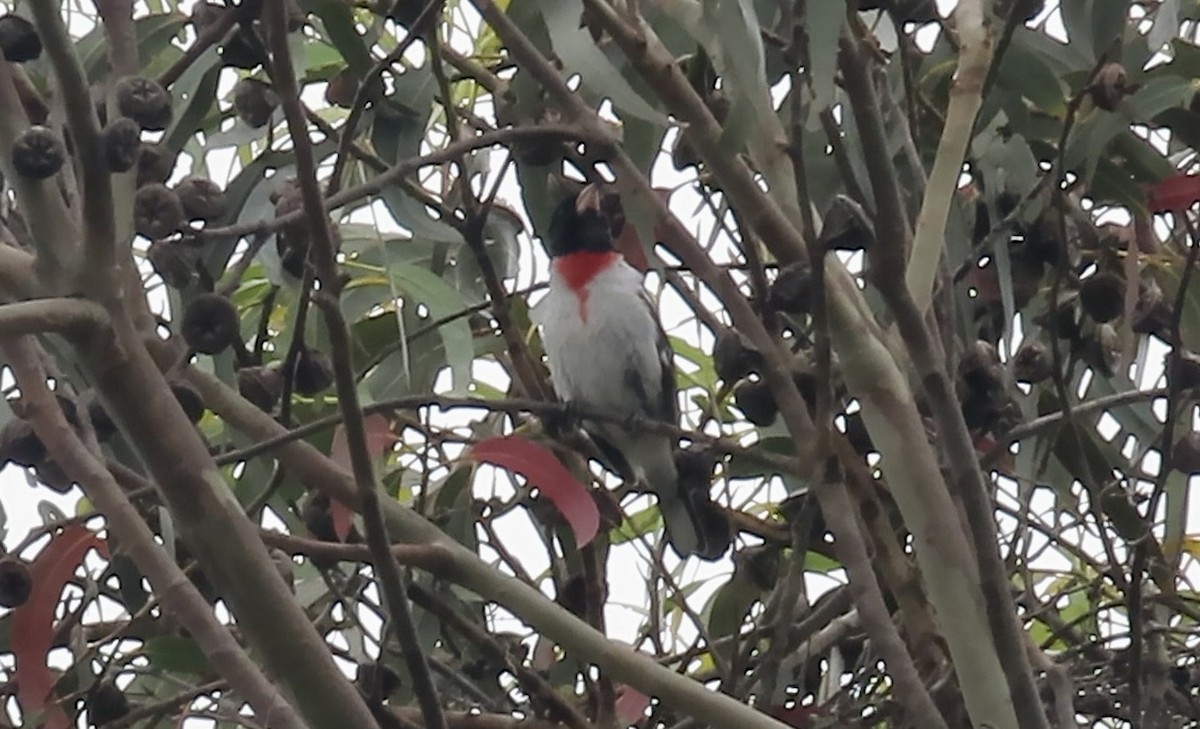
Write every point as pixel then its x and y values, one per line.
pixel 1173 194
pixel 544 471
pixel 631 704
pixel 343 518
pixel 33 622
pixel 380 439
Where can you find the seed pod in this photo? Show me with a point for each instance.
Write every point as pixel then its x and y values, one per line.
pixel 261 386
pixel 760 563
pixel 1101 349
pixel 172 261
pixel 376 681
pixel 205 14
pixel 1152 314
pixel 122 144
pixel 189 399
pixel 733 357
pixel 1185 374
pixel 202 198
pixel 756 402
pixel 19 40
pixel 106 703
pixel 1111 86
pixel 291 241
pixel 155 163
pixel 157 212
pixel 20 445
pixel 1103 296
pixel 1185 456
pixel 15 582
pixel 791 291
pixel 980 367
pixel 210 324
pixel 847 226
pixel 1033 363
pixel 243 50
pixel 254 101
pixel 317 518
pixel 38 153
pixel 144 101
pixel 314 372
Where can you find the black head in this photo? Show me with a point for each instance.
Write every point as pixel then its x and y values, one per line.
pixel 579 224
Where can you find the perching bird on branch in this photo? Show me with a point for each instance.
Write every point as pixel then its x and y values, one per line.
pixel 607 352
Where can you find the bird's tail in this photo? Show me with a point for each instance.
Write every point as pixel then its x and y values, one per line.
pixel 694 524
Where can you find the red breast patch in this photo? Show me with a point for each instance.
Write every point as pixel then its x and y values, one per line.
pixel 578 269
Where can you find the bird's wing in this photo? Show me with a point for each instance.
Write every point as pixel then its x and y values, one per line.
pixel 664 405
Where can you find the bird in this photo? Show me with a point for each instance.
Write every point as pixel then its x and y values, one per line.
pixel 608 353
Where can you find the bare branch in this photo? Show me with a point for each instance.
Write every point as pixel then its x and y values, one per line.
pixel 177 593
pixel 323 252
pixel 72 317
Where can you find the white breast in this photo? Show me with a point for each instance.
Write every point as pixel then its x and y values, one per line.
pixel 589 357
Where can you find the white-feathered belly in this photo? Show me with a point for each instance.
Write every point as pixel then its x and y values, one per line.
pixel 589 357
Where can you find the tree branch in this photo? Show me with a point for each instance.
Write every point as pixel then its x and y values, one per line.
pixel 71 317
pixel 974 62
pixel 402 169
pixel 317 471
pixel 888 256
pixel 323 252
pixel 99 235
pixel 176 593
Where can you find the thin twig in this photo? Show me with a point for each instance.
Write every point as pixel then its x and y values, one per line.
pixel 323 253
pixel 398 171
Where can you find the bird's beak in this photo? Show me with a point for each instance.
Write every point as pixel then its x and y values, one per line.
pixel 589 199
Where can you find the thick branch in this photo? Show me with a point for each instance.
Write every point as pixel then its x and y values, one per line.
pixel 176 593
pixel 317 471
pixel 887 257
pixel 72 317
pixel 99 234
pixel 213 527
pixel 974 61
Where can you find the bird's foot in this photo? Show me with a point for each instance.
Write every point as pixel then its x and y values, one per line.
pixel 635 423
pixel 563 422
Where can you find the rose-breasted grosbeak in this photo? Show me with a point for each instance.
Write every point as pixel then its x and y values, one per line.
pixel 607 351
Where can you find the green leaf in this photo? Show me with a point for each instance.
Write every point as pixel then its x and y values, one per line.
pixel 154 33
pixel 1077 18
pixel 194 94
pixel 1166 24
pixel 1093 134
pixel 579 54
pixel 823 26
pixel 337 19
pixel 1109 19
pixel 442 300
pixel 730 605
pixel 176 654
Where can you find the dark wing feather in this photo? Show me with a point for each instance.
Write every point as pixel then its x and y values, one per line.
pixel 667 407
